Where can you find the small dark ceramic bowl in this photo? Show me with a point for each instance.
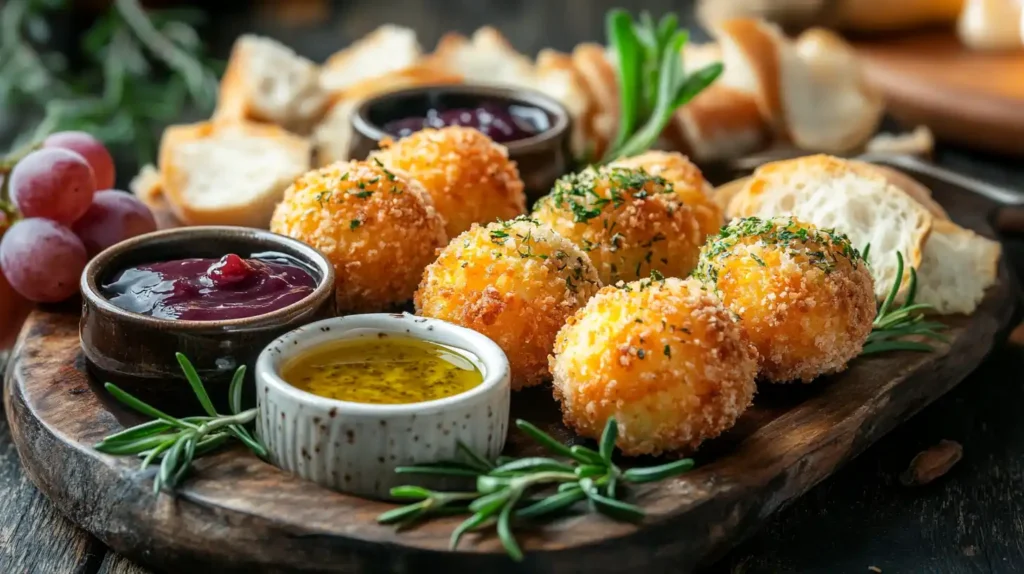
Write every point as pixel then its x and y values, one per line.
pixel 137 352
pixel 541 159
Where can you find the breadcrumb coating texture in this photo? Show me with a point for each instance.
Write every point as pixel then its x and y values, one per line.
pixel 805 296
pixel 629 221
pixel 663 356
pixel 377 227
pixel 466 173
pixel 516 282
pixel 688 182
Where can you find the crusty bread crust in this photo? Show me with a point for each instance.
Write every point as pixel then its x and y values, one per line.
pixel 601 82
pixel 761 46
pixel 343 70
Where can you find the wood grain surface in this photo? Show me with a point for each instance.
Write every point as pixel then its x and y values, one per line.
pixel 965 96
pixel 789 441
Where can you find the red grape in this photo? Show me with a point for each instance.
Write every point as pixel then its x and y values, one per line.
pixel 43 260
pixel 52 183
pixel 91 149
pixel 113 217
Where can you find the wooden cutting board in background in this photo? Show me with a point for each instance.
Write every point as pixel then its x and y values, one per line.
pixel 964 96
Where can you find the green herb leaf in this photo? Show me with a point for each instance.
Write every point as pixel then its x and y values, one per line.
pixel 608 437
pixel 660 472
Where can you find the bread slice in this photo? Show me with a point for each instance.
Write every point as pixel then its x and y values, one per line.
pixel 387 49
pixel 487 58
pixel 147 185
pixel 957 267
pixel 920 142
pixel 557 77
pixel 991 24
pixel 332 137
pixel 753 52
pixel 720 123
pixel 267 81
pixel 830 193
pixel 602 84
pixel 826 102
pixel 216 173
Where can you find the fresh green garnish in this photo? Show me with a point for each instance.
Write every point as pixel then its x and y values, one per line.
pixel 893 324
pixel 652 83
pixel 178 441
pixel 511 491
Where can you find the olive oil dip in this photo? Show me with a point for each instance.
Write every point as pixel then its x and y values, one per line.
pixel 388 369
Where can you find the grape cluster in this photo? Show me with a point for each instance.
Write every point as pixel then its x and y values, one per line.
pixel 69 213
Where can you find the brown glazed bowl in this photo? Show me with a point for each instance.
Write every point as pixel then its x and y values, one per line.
pixel 137 352
pixel 541 159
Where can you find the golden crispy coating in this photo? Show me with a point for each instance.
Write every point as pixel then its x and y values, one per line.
pixel 516 282
pixel 688 181
pixel 805 296
pixel 377 227
pixel 628 221
pixel 664 356
pixel 469 177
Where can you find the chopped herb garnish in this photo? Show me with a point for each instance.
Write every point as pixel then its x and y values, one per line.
pixel 354 224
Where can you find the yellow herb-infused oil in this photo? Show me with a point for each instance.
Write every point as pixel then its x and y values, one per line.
pixel 383 370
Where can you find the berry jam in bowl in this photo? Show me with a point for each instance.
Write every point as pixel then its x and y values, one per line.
pixel 218 295
pixel 532 126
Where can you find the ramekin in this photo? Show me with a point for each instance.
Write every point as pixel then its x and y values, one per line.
pixel 355 447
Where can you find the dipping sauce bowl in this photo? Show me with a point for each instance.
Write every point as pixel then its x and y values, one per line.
pixel 137 351
pixel 355 447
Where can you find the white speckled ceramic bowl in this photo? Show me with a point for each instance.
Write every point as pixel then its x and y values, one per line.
pixel 355 447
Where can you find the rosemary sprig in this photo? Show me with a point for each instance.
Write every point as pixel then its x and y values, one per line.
pixel 893 324
pixel 178 441
pixel 510 491
pixel 652 82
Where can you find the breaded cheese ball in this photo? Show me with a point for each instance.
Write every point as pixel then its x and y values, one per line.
pixel 629 221
pixel 514 281
pixel 466 173
pixel 663 356
pixel 377 227
pixel 805 296
pixel 688 182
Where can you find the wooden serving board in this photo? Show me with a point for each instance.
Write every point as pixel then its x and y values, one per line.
pixel 969 97
pixel 239 514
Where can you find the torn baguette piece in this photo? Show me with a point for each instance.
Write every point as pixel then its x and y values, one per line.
pixel 386 50
pixel 827 104
pixel 831 193
pixel 601 82
pixel 216 173
pixel 557 77
pixel 487 58
pixel 267 81
pixel 753 52
pixel 957 267
pixel 720 123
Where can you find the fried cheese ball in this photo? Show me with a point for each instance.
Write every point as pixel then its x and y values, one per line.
pixel 688 182
pixel 514 281
pixel 663 356
pixel 377 227
pixel 630 222
pixel 466 173
pixel 805 296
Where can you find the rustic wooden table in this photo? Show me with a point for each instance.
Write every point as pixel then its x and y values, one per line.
pixel 860 520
